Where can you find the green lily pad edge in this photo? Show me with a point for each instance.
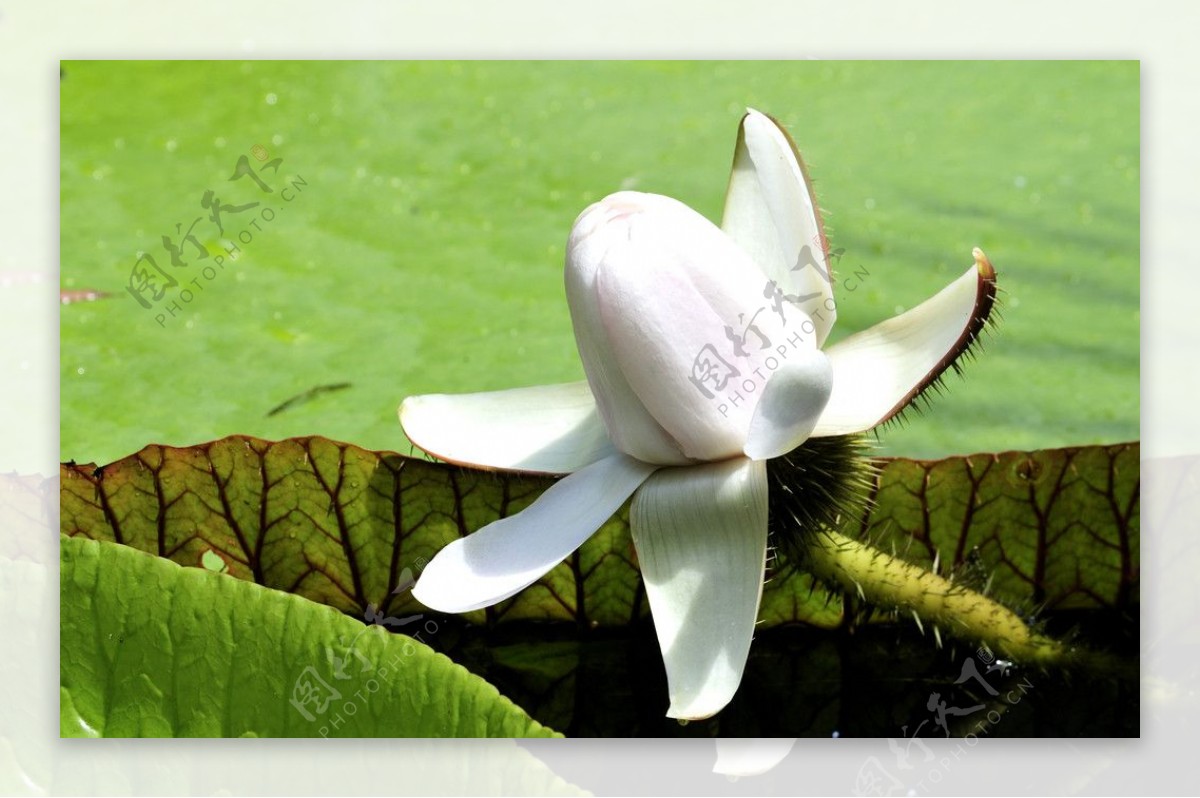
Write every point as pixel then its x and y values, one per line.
pixel 159 650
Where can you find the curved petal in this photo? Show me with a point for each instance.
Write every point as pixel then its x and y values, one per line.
pixel 508 555
pixel 750 756
pixel 550 429
pixel 630 426
pixel 701 539
pixel 689 320
pixel 790 406
pixel 772 213
pixel 878 372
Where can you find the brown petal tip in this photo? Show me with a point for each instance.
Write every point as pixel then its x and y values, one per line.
pixel 986 271
pixel 982 316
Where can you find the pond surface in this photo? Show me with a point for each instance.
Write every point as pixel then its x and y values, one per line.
pixel 882 680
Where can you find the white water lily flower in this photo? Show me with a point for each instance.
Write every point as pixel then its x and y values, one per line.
pixel 703 352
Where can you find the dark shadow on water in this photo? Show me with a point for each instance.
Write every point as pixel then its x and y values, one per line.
pixel 880 681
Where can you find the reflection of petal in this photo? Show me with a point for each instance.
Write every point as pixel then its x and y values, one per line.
pixel 701 539
pixel 750 756
pixel 29 585
pixel 508 555
pixel 771 213
pixel 790 405
pixel 553 429
pixel 879 371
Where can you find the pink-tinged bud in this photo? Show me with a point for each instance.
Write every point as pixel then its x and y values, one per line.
pixel 680 332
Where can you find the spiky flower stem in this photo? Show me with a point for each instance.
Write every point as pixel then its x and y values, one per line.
pixel 888 582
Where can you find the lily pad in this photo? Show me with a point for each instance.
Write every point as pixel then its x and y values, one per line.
pixel 339 525
pixel 153 649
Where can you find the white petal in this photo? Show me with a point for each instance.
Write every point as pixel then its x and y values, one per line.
pixel 630 426
pixel 790 406
pixel 701 539
pixel 750 756
pixel 551 429
pixel 771 212
pixel 877 372
pixel 508 555
pixel 687 319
